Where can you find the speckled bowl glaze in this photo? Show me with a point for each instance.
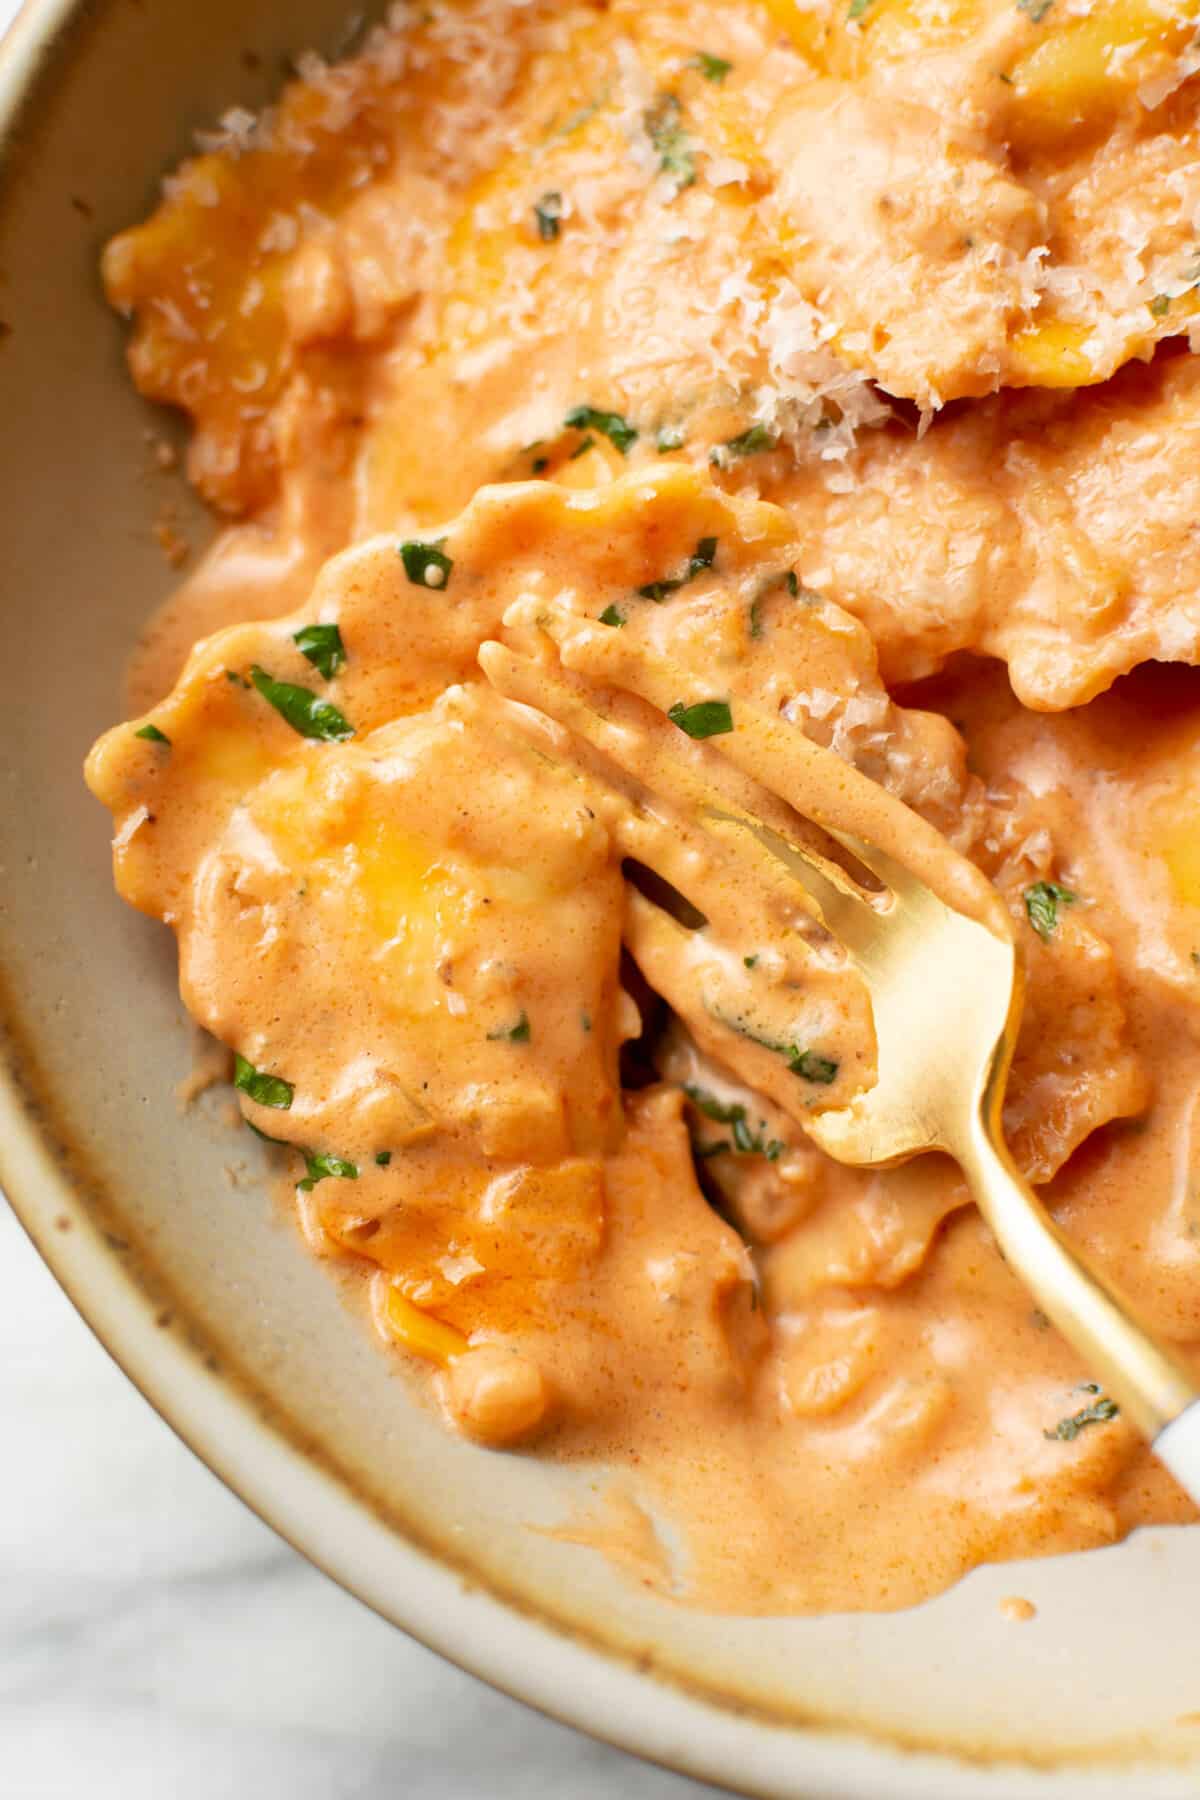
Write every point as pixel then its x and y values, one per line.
pixel 204 1293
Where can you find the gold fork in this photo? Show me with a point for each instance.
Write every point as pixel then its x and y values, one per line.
pixel 934 948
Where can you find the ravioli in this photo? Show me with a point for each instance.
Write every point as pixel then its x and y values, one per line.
pixel 834 362
pixel 1054 532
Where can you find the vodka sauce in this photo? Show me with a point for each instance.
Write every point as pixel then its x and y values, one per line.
pixel 821 352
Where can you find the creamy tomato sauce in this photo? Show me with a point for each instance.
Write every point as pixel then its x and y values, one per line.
pixel 808 357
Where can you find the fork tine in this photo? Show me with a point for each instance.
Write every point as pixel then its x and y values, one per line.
pixel 704 821
pixel 895 843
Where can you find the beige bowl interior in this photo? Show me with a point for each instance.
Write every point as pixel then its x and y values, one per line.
pixel 203 1291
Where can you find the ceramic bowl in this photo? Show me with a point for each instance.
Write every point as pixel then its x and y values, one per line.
pixel 204 1293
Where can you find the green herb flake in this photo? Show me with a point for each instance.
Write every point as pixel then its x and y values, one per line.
pixel 1034 10
pixel 1042 902
pixel 540 464
pixel 712 1108
pixel 670 140
pixel 748 443
pixel 822 1070
pixel 1160 306
pixel 547 213
pixel 383 1158
pixel 610 616
pixel 787 580
pixel 304 711
pixel 585 1021
pixel 284 1143
pixel 512 1034
pixel 582 448
pixel 747 1142
pixel 426 565
pixel 707 718
pixel 702 558
pixel 264 1090
pixel 237 680
pixel 1097 1412
pixel 808 1064
pixel 574 120
pixel 323 1168
pixel 611 425
pixel 153 735
pixel 750 962
pixel 713 68
pixel 323 646
pixel 856 9
pixel 704 1151
pixel 669 437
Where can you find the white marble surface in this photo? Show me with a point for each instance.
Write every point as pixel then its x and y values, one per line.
pixel 158 1643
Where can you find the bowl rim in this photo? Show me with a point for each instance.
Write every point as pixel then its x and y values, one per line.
pixel 615 1696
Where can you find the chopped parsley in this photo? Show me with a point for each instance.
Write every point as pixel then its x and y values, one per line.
pixel 582 448
pixel 856 9
pixel 788 580
pixel 810 1067
pixel 732 1113
pixel 720 1111
pixel 611 425
pixel 713 68
pixel 383 1158
pixel 670 437
pixel 702 557
pixel 610 616
pixel 304 711
pixel 322 1167
pixel 265 1090
pixel 750 962
pixel 1098 1412
pixel 1160 306
pixel 512 1034
pixel 707 718
pixel 808 1064
pixel 323 646
pixel 153 735
pixel 670 140
pixel 426 565
pixel 237 680
pixel 1035 10
pixel 574 120
pixel 548 212
pixel 284 1143
pixel 1042 902
pixel 748 443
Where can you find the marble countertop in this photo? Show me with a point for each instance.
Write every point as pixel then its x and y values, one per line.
pixel 157 1642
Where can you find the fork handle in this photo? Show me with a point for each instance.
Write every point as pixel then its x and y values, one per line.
pixel 1154 1391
